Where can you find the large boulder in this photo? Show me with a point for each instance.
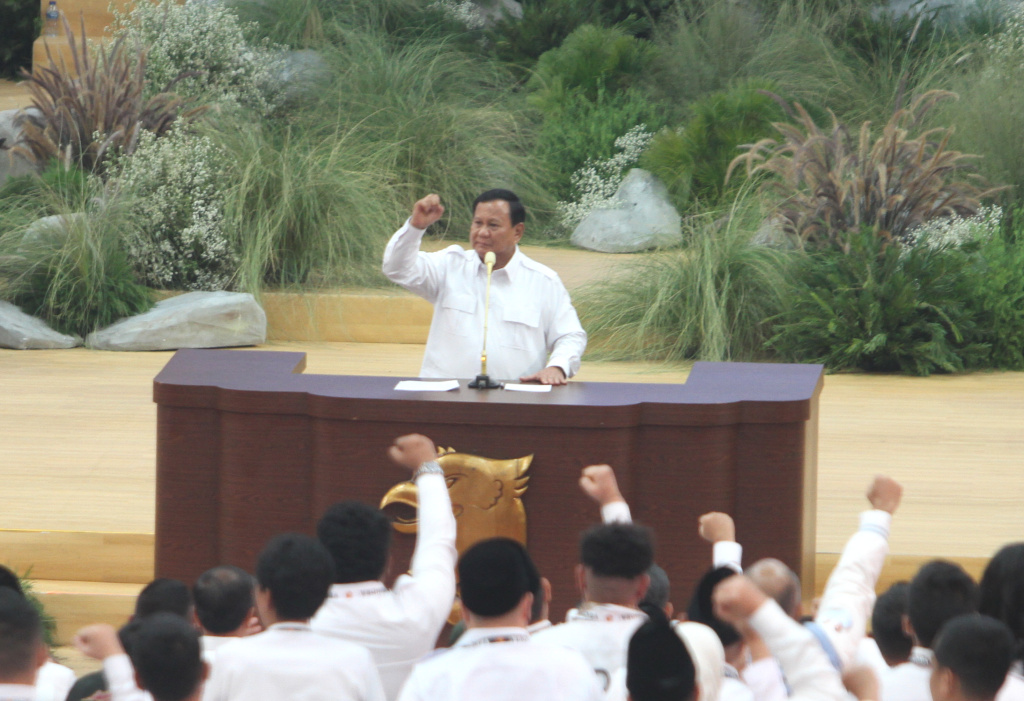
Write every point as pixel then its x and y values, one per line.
pixel 12 134
pixel 641 217
pixel 20 331
pixel 193 320
pixel 492 11
pixel 302 75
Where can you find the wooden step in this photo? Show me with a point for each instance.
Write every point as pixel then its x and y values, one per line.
pixel 77 604
pixel 122 558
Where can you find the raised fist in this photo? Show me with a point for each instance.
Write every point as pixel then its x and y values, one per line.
pixel 598 482
pixel 736 599
pixel 412 450
pixel 716 527
pixel 426 211
pixel 885 493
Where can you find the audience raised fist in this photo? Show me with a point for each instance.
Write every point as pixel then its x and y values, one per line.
pixel 736 599
pixel 98 641
pixel 426 211
pixel 885 493
pixel 716 527
pixel 598 482
pixel 412 450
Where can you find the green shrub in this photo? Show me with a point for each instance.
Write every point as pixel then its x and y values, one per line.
pixel 544 26
pixel 45 617
pixel 710 301
pixel 19 26
pixel 882 308
pixel 68 187
pixel 692 161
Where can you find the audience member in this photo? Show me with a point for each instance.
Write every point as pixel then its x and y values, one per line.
pixel 496 658
pixel 400 625
pixel 938 592
pixel 288 660
pixel 166 654
pixel 1002 598
pixel 887 625
pixel 22 651
pixel 225 607
pixel 973 654
pixel 659 666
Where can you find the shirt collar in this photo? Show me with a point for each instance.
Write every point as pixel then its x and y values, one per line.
pixel 356 590
pixel 921 656
pixel 513 265
pixel 478 636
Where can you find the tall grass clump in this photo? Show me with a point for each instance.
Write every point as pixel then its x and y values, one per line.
pixel 713 300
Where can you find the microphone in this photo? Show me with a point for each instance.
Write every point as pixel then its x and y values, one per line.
pixel 482 380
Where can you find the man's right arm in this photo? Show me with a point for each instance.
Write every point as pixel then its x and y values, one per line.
pixel 404 264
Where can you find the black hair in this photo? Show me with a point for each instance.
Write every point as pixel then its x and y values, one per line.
pixel 978 650
pixel 494 575
pixel 702 610
pixel 887 624
pixel 1002 590
pixel 164 596
pixel 224 597
pixel 658 593
pixel 298 572
pixel 516 210
pixel 358 537
pixel 10 580
pixel 167 657
pixel 21 634
pixel 658 665
pixel 940 590
pixel 623 550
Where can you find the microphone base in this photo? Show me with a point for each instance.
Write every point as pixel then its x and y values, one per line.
pixel 484 382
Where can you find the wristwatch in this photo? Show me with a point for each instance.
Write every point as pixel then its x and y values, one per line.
pixel 431 467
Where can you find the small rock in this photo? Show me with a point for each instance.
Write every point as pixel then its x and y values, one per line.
pixel 492 11
pixel 193 320
pixel 20 331
pixel 302 74
pixel 52 228
pixel 12 134
pixel 643 217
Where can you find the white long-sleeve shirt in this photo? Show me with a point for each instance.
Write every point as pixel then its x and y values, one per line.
pixel 399 626
pixel 532 323
pixel 53 682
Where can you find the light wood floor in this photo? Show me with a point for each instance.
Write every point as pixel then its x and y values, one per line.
pixel 13 95
pixel 77 437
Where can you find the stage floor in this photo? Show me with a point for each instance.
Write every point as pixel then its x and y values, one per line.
pixel 77 443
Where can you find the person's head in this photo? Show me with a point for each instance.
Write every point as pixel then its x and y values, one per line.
pixel 779 582
pixel 358 537
pixel 887 624
pixel 164 595
pixel 658 664
pixel 294 573
pixel 940 591
pixel 497 579
pixel 10 580
pixel 973 654
pixel 167 657
pixel 708 657
pixel 22 651
pixel 498 224
pixel 223 599
pixel 614 560
pixel 702 610
pixel 1002 589
pixel 659 591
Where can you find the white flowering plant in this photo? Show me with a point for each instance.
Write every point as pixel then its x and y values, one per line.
pixel 596 183
pixel 956 231
pixel 206 41
pixel 464 12
pixel 179 239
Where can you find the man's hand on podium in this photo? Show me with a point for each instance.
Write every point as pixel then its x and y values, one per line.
pixel 551 375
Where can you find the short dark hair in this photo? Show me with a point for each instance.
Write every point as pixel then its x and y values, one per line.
pixel 516 210
pixel 940 590
pixel 494 575
pixel 298 572
pixel 702 610
pixel 167 657
pixel 21 634
pixel 10 580
pixel 164 595
pixel 1002 589
pixel 979 651
pixel 887 623
pixel 358 537
pixel 659 592
pixel 223 597
pixel 623 550
pixel 658 665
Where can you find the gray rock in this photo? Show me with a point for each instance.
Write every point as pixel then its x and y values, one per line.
pixel 193 320
pixel 302 74
pixel 492 11
pixel 641 217
pixel 20 331
pixel 47 229
pixel 12 134
pixel 772 234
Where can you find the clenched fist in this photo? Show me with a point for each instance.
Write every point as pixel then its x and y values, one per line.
pixel 426 211
pixel 412 450
pixel 598 482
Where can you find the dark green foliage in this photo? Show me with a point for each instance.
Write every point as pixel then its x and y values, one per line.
pixel 20 23
pixel 882 308
pixel 67 186
pixel 692 161
pixel 48 621
pixel 997 296
pixel 544 26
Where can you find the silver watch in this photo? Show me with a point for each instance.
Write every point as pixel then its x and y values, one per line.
pixel 431 467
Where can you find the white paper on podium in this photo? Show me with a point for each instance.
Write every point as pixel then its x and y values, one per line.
pixel 424 386
pixel 528 388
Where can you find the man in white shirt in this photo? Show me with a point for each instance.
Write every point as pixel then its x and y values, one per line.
pixel 939 592
pixel 612 579
pixel 400 625
pixel 1000 597
pixel 496 658
pixel 224 607
pixel 22 651
pixel 533 332
pixel 168 661
pixel 973 654
pixel 659 665
pixel 288 660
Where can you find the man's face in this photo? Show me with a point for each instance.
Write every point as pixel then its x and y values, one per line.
pixel 492 230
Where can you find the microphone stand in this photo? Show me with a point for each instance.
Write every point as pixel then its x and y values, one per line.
pixel 483 381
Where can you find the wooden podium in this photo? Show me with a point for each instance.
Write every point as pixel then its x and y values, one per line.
pixel 248 447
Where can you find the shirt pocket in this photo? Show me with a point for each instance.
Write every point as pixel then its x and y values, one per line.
pixel 524 326
pixel 459 313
